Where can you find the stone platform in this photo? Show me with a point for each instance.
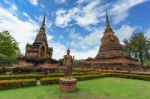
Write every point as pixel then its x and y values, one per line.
pixel 67 85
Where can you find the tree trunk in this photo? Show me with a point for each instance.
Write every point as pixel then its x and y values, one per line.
pixel 141 58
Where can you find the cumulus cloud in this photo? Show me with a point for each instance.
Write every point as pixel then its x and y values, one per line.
pixel 60 51
pixel 34 2
pixel 82 15
pixel 88 15
pixel 22 31
pixel 26 14
pixel 121 8
pixel 85 42
pixel 63 17
pixel 85 54
pixel 125 32
pixel 88 12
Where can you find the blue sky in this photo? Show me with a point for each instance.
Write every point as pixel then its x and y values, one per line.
pixel 77 24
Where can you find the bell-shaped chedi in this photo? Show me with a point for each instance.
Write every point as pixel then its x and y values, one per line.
pixel 111 50
pixel 110 45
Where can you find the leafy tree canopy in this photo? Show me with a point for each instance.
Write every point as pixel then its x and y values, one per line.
pixel 9 49
pixel 139 46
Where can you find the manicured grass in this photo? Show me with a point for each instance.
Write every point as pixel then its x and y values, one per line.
pixel 102 88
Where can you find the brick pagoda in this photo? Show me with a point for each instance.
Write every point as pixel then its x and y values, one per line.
pixel 38 53
pixel 111 51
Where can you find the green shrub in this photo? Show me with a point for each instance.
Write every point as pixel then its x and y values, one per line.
pixel 86 77
pixel 74 74
pixel 22 76
pixel 39 76
pixel 9 84
pixel 46 81
pixel 131 76
pixel 54 80
pixel 55 75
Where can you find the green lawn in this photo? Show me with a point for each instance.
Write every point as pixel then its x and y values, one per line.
pixel 102 88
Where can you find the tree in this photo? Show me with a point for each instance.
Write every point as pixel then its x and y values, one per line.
pixel 78 63
pixel 138 45
pixel 9 50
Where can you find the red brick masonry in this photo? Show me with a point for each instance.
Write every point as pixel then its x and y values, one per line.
pixel 67 85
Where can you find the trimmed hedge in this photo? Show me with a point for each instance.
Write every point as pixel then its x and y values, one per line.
pixel 53 78
pixel 46 81
pixel 130 76
pixel 74 74
pixel 10 84
pixel 22 76
pixel 39 76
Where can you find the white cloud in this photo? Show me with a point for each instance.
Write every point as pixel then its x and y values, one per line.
pixel 43 6
pixel 85 42
pixel 12 6
pixel 80 1
pixel 88 15
pixel 22 31
pixel 48 23
pixel 26 14
pixel 60 51
pixel 120 9
pixel 85 54
pixel 124 32
pixel 88 12
pixel 39 18
pixel 82 15
pixel 63 17
pixel 34 2
pixel 60 1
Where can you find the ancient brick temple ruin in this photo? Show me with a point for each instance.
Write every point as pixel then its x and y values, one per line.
pixel 111 51
pixel 38 54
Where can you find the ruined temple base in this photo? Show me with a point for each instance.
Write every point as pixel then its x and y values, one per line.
pixel 67 85
pixel 112 61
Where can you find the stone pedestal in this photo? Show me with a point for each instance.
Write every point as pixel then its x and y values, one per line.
pixel 67 85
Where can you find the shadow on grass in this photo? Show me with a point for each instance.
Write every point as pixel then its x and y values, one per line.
pixel 78 89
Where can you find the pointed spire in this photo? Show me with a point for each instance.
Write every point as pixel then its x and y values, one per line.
pixel 107 21
pixel 41 36
pixel 43 23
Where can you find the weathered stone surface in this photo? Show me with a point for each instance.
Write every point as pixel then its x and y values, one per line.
pixel 67 85
pixel 38 53
pixel 68 62
pixel 39 50
pixel 111 50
